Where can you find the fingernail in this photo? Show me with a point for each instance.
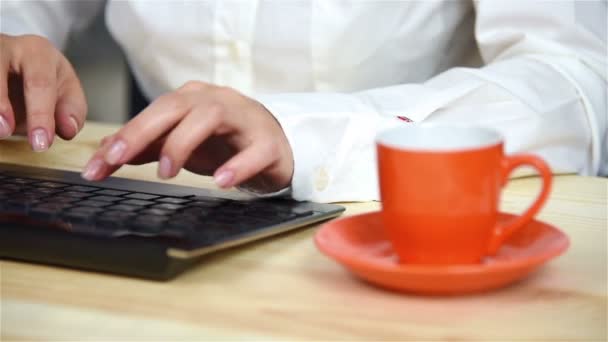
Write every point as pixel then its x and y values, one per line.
pixel 74 124
pixel 5 130
pixel 40 140
pixel 164 167
pixel 92 169
pixel 224 178
pixel 115 152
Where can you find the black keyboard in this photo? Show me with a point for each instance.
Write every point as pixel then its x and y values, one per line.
pixel 185 222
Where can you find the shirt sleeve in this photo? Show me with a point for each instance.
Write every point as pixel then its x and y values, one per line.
pixel 53 19
pixel 542 86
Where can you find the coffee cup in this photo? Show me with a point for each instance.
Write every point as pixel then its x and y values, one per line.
pixel 440 188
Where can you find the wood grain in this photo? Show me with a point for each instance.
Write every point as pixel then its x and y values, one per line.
pixel 283 288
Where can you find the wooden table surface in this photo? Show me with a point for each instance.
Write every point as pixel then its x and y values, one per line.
pixel 284 289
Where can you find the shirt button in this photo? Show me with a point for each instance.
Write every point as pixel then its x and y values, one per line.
pixel 321 179
pixel 239 49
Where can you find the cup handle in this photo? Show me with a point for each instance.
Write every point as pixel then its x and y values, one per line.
pixel 503 231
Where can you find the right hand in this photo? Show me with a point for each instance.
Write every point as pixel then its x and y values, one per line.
pixel 40 94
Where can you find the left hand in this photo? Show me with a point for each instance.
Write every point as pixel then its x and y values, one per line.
pixel 208 130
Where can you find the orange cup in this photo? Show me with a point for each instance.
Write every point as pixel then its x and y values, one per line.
pixel 440 188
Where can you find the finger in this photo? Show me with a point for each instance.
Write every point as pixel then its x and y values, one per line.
pixel 7 117
pixel 105 140
pixel 96 168
pixel 246 164
pixel 71 109
pixel 210 155
pixel 190 133
pixel 40 92
pixel 147 127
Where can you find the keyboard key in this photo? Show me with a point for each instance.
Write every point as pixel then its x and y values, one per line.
pixel 141 196
pixel 60 199
pixel 140 203
pixel 27 195
pixel 52 185
pixel 168 206
pixel 110 192
pixel 53 206
pixel 6 192
pixel 113 219
pixel 75 194
pixel 48 210
pixel 76 216
pixel 105 198
pixel 151 223
pixel 116 215
pixel 81 188
pixel 15 206
pixel 44 191
pixel 91 203
pixel 22 180
pixel 155 211
pixel 11 186
pixel 173 200
pixel 88 210
pixel 124 207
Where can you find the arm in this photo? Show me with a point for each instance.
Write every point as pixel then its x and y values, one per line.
pixel 53 20
pixel 40 94
pixel 543 87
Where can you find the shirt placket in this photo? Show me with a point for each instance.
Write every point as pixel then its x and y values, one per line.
pixel 234 24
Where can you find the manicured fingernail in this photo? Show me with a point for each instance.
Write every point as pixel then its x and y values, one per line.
pixel 40 140
pixel 92 169
pixel 5 130
pixel 164 167
pixel 224 178
pixel 74 124
pixel 115 152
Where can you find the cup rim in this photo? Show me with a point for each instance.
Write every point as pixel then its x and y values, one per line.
pixel 450 133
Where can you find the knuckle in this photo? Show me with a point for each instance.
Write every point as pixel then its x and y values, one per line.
pixel 225 92
pixel 37 81
pixel 173 103
pixel 5 105
pixel 271 149
pixel 216 110
pixel 38 115
pixel 33 39
pixel 193 86
pixel 216 113
pixel 31 43
pixel 274 149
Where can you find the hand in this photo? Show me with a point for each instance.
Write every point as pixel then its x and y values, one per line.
pixel 39 92
pixel 208 130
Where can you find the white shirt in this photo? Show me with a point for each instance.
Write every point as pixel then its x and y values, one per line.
pixel 334 73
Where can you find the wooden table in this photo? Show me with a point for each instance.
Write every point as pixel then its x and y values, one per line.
pixel 284 289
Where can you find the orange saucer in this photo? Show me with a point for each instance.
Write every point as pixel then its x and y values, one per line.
pixel 359 243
